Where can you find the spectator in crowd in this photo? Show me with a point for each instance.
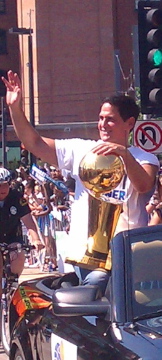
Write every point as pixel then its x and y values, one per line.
pixel 18 185
pixel 154 207
pixel 56 174
pixel 29 193
pixel 42 215
pixel 70 184
pixel 62 205
pixel 23 173
pixel 117 118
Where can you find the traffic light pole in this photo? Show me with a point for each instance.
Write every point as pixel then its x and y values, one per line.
pixel 25 31
pixel 4 127
pixel 31 90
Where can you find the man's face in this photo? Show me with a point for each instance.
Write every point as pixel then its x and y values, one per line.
pixel 111 126
pixel 54 173
pixel 4 190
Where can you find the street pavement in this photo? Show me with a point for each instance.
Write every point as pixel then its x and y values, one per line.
pixel 3 356
pixel 28 274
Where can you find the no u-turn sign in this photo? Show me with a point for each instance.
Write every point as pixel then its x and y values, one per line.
pixel 148 136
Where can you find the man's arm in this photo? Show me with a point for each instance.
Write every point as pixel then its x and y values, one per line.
pixel 41 147
pixel 142 177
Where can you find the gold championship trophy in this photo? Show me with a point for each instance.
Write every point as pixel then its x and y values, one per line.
pixel 100 175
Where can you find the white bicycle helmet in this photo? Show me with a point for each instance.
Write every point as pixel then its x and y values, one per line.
pixel 5 175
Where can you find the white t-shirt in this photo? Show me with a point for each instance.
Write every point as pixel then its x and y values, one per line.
pixel 69 153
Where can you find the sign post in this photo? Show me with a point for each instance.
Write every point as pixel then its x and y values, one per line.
pixel 4 127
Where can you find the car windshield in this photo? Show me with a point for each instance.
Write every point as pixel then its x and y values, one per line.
pixel 146 259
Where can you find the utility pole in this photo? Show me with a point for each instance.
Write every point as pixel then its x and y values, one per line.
pixel 29 32
pixel 4 127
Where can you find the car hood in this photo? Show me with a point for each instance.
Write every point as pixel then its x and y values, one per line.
pixel 151 330
pixel 143 338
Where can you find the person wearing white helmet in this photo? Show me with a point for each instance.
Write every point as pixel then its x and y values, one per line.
pixel 13 209
pixel 5 175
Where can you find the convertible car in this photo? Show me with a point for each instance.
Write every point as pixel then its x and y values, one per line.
pixel 57 319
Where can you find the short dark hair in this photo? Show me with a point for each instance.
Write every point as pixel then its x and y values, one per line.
pixel 30 184
pixel 125 104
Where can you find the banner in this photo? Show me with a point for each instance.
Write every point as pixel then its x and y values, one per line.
pixel 41 177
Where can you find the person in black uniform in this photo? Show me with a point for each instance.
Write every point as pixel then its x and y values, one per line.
pixel 13 209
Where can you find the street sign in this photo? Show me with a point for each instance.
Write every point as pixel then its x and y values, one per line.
pixel 148 135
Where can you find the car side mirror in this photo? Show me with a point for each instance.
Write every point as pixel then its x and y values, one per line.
pixel 79 301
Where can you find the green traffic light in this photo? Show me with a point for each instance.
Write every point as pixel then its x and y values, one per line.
pixel 157 57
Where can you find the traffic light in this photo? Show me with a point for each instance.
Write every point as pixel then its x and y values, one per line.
pixel 2 85
pixel 150 56
pixel 23 155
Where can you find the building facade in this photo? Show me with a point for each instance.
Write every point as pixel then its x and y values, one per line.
pixel 82 52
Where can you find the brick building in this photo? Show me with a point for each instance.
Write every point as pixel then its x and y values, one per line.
pixel 82 52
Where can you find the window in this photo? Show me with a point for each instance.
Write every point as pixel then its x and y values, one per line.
pixel 2 6
pixel 3 42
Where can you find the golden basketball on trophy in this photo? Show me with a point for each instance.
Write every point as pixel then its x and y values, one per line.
pixel 100 174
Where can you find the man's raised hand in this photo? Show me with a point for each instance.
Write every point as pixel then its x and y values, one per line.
pixel 13 86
